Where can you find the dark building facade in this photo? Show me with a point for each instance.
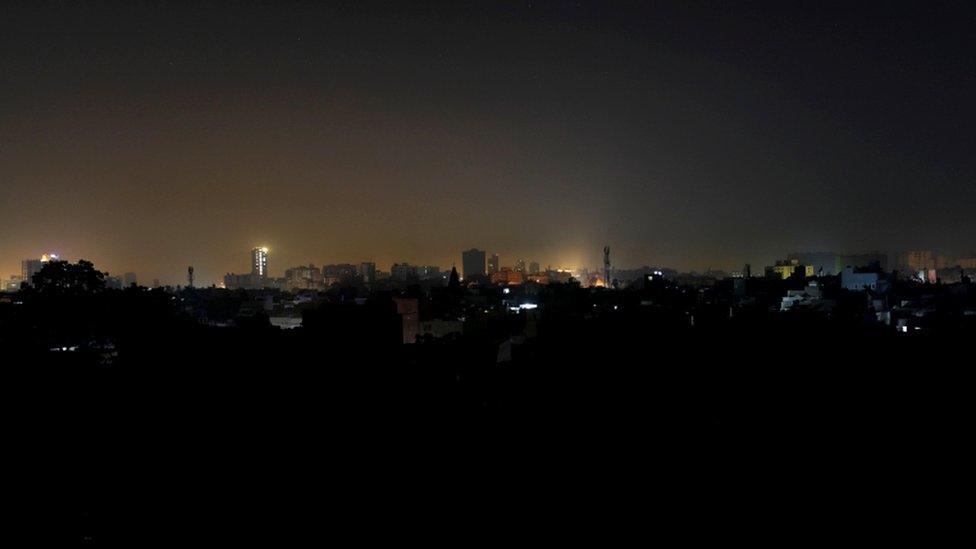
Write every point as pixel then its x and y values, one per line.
pixel 473 262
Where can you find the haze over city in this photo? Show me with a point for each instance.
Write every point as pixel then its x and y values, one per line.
pixel 275 273
pixel 692 136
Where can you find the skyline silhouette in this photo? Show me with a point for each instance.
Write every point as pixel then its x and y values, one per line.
pixel 694 136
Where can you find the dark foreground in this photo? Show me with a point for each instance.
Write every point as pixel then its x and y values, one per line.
pixel 597 430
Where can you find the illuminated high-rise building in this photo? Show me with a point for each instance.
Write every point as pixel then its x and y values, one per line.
pixel 493 264
pixel 520 265
pixel 473 262
pixel 259 262
pixel 30 267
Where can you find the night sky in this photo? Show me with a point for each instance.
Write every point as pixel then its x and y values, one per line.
pixel 684 134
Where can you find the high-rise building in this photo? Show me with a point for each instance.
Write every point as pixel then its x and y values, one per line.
pixel 367 270
pixel 534 267
pixel 409 311
pixel 520 265
pixel 155 283
pixel 259 262
pixel 493 264
pixel 402 272
pixel 304 277
pixel 428 272
pixel 129 279
pixel 339 273
pixel 473 262
pixel 919 260
pixel 30 267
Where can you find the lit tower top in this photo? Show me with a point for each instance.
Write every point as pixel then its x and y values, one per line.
pixel 259 262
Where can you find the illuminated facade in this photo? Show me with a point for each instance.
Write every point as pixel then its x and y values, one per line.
pixel 859 280
pixel 786 269
pixel 12 284
pixel 259 262
pixel 30 267
pixel 493 264
pixel 924 259
pixel 507 276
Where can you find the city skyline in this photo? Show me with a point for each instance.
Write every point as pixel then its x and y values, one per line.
pixel 452 269
pixel 691 136
pixel 894 259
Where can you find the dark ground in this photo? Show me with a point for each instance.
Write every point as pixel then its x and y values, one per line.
pixel 599 430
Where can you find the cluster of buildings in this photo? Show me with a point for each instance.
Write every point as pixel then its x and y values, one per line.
pixel 920 265
pixel 30 267
pixel 914 291
pixel 477 267
pixel 873 298
pixel 310 277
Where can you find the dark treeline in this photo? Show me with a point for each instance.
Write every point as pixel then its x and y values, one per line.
pixel 134 422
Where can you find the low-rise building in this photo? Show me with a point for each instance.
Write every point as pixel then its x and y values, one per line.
pixel 859 280
pixel 784 269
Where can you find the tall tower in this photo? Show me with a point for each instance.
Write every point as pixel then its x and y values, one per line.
pixel 259 262
pixel 473 262
pixel 493 263
pixel 606 266
pixel 367 270
pixel 189 276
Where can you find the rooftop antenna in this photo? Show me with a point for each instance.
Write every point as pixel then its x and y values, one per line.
pixel 189 276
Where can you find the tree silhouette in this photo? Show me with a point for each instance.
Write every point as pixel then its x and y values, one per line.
pixel 64 278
